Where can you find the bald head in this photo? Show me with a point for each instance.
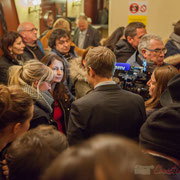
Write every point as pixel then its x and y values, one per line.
pixel 28 32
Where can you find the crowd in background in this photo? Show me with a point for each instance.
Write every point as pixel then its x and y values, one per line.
pixel 67 112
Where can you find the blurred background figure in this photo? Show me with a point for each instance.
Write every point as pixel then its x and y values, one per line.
pixel 85 35
pixel 78 75
pixel 157 85
pixel 61 23
pixel 173 44
pixel 13 48
pixel 62 99
pixel 35 78
pixel 112 40
pixel 104 157
pixel 30 154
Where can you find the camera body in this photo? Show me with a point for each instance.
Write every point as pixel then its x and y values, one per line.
pixel 134 78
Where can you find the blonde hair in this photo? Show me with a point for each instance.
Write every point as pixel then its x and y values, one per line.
pixel 30 72
pixel 62 23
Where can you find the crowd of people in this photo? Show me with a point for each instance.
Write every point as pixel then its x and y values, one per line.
pixel 64 116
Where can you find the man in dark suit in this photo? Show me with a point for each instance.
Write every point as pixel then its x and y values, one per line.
pixel 85 35
pixel 108 108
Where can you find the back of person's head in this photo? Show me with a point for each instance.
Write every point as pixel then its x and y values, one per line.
pixel 32 71
pixel 14 106
pixel 8 40
pixel 56 35
pixel 177 28
pixel 101 60
pixel 102 157
pixel 130 29
pixel 111 41
pixel 162 75
pixel 160 132
pixel 30 154
pixel 62 23
pixel 145 41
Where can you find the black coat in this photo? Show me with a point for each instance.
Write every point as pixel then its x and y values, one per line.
pixel 107 109
pixel 5 63
pixel 41 116
pixel 123 50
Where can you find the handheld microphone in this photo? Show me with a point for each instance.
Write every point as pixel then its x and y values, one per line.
pixel 122 66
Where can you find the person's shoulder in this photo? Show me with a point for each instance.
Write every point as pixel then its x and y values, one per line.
pixel 131 96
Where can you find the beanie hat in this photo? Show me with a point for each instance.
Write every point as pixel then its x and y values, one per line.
pixel 172 94
pixel 161 131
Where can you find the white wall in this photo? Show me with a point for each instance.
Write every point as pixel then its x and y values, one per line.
pixel 161 15
pixel 24 16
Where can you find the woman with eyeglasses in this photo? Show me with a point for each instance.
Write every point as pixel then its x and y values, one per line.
pixel 157 85
pixel 12 46
pixel 60 93
pixel 35 78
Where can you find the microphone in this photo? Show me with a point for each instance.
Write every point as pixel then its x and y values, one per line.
pixel 122 66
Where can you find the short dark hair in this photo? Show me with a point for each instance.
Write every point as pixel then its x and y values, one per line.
pixel 130 29
pixel 30 154
pixel 177 28
pixel 7 40
pixel 57 34
pixel 101 60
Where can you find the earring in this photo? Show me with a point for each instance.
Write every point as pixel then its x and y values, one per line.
pixel 11 52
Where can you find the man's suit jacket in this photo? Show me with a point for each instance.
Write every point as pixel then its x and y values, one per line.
pixel 92 37
pixel 106 109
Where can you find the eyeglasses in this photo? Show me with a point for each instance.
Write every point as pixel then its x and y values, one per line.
pixel 158 51
pixel 31 30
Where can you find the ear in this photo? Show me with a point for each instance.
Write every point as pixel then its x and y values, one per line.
pixel 10 48
pixel 22 34
pixel 91 72
pixel 35 83
pixel 129 39
pixel 144 53
pixel 16 128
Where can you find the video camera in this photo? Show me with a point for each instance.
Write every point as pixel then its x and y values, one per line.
pixel 134 78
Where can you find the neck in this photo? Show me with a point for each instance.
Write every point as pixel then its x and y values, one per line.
pixel 98 80
pixel 53 86
pixel 33 44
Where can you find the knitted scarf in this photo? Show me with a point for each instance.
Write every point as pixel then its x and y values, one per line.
pixel 44 99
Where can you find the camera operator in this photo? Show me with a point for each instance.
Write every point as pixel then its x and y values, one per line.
pixel 150 54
